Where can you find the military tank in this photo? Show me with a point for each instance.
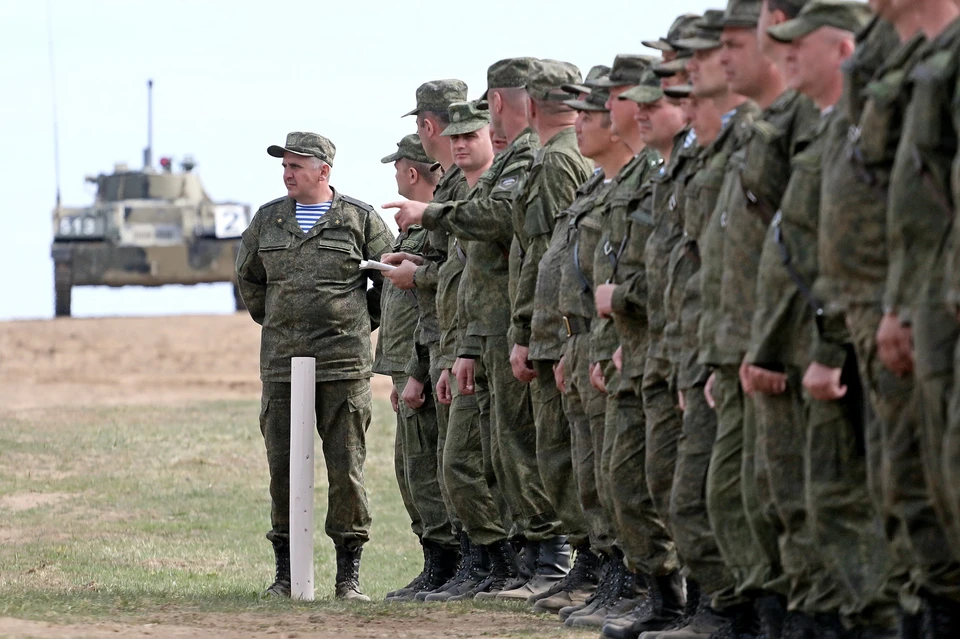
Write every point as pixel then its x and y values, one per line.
pixel 146 227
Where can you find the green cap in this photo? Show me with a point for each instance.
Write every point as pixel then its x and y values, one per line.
pixel 509 73
pixel 409 148
pixel 465 117
pixel 707 34
pixel 306 144
pixel 627 69
pixel 595 99
pixel 846 15
pixel 682 27
pixel 678 91
pixel 646 92
pixel 548 77
pixel 598 71
pixel 675 66
pixel 437 95
pixel 742 13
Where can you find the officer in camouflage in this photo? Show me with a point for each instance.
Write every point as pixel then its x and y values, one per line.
pixel 315 303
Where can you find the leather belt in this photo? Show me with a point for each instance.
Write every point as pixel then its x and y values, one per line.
pixel 575 325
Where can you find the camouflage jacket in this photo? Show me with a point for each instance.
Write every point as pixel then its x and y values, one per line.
pixel 921 207
pixel 486 224
pixel 756 178
pixel 581 228
pixel 307 290
pixel 667 231
pixel 612 264
pixel 399 313
pixel 856 175
pixel 557 170
pixel 784 329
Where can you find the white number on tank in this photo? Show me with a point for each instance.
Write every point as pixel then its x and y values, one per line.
pixel 78 225
pixel 229 220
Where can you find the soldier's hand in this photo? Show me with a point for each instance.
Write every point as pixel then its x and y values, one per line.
pixel 618 358
pixel 444 396
pixel 396 259
pixel 402 276
pixel 464 372
pixel 413 393
pixel 895 345
pixel 603 299
pixel 394 399
pixel 558 375
pixel 520 364
pixel 596 378
pixel 708 390
pixel 681 400
pixel 409 212
pixel 745 380
pixel 823 382
pixel 766 381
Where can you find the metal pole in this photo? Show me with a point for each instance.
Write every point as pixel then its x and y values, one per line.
pixel 148 152
pixel 302 426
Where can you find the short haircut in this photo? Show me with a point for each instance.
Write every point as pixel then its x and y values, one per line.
pixel 425 170
pixel 790 8
pixel 513 96
pixel 550 107
pixel 316 162
pixel 442 117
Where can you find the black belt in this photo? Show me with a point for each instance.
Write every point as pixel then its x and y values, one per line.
pixel 575 325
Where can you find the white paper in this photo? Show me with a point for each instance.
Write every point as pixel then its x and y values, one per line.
pixel 377 266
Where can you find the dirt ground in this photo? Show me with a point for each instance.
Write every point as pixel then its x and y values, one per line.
pixel 173 360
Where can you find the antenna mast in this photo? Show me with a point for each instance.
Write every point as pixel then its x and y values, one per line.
pixel 148 152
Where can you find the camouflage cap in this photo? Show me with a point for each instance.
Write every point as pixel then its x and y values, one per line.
pixel 437 95
pixel 847 15
pixel 548 77
pixel 647 92
pixel 594 99
pixel 465 117
pixel 675 66
pixel 682 27
pixel 707 35
pixel 627 69
pixel 598 71
pixel 305 144
pixel 508 74
pixel 742 13
pixel 409 148
pixel 678 91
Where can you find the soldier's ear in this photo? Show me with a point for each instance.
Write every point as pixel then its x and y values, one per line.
pixel 413 176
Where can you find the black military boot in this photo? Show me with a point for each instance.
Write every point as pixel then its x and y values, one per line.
pixel 737 622
pixel 474 568
pixel 281 583
pixel 771 610
pixel 524 557
pixel 622 597
pixel 551 566
pixel 502 570
pixel 348 575
pixel 579 584
pixel 666 605
pixel 797 625
pixel 941 618
pixel 910 625
pixel 439 566
pixel 415 583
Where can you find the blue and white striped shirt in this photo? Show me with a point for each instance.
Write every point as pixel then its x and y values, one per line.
pixel 310 214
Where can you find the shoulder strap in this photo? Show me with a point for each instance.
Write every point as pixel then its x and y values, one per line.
pixel 357 203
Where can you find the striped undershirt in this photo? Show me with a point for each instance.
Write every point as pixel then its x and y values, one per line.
pixel 310 214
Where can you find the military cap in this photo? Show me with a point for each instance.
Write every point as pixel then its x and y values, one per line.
pixel 594 99
pixel 305 144
pixel 647 92
pixel 742 13
pixel 678 91
pixel 508 74
pixel 465 117
pixel 708 32
pixel 437 95
pixel 627 69
pixel 596 72
pixel 673 67
pixel 682 27
pixel 548 77
pixel 846 15
pixel 409 148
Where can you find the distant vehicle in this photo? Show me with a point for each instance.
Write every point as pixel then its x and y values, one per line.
pixel 146 227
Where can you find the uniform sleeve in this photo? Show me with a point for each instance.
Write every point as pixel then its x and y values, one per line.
pixel 379 239
pixel 251 275
pixel 829 341
pixel 466 346
pixel 418 367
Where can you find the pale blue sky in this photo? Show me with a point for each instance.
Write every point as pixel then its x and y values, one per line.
pixel 231 78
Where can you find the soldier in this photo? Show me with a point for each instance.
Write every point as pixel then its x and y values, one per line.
pixel 315 303
pixel 417 465
pixel 487 223
pixel 921 276
pixel 535 330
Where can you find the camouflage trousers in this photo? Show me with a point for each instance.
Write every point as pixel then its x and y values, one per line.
pixel 468 469
pixel 646 545
pixel 443 417
pixel 586 409
pixel 422 466
pixel 514 438
pixel 343 416
pixel 897 463
pixel 746 539
pixel 689 521
pixel 555 453
pixel 664 422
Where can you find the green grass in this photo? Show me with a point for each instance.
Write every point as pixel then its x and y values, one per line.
pixel 128 513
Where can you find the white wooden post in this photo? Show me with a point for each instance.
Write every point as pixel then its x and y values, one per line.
pixel 302 426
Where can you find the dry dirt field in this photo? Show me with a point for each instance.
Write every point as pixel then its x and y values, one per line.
pixel 69 364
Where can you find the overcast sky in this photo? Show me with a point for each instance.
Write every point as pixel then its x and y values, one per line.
pixel 233 77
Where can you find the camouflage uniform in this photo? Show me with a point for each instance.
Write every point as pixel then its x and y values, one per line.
pixel 312 282
pixel 920 214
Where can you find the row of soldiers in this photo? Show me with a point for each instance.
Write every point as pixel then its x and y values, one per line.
pixel 683 331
